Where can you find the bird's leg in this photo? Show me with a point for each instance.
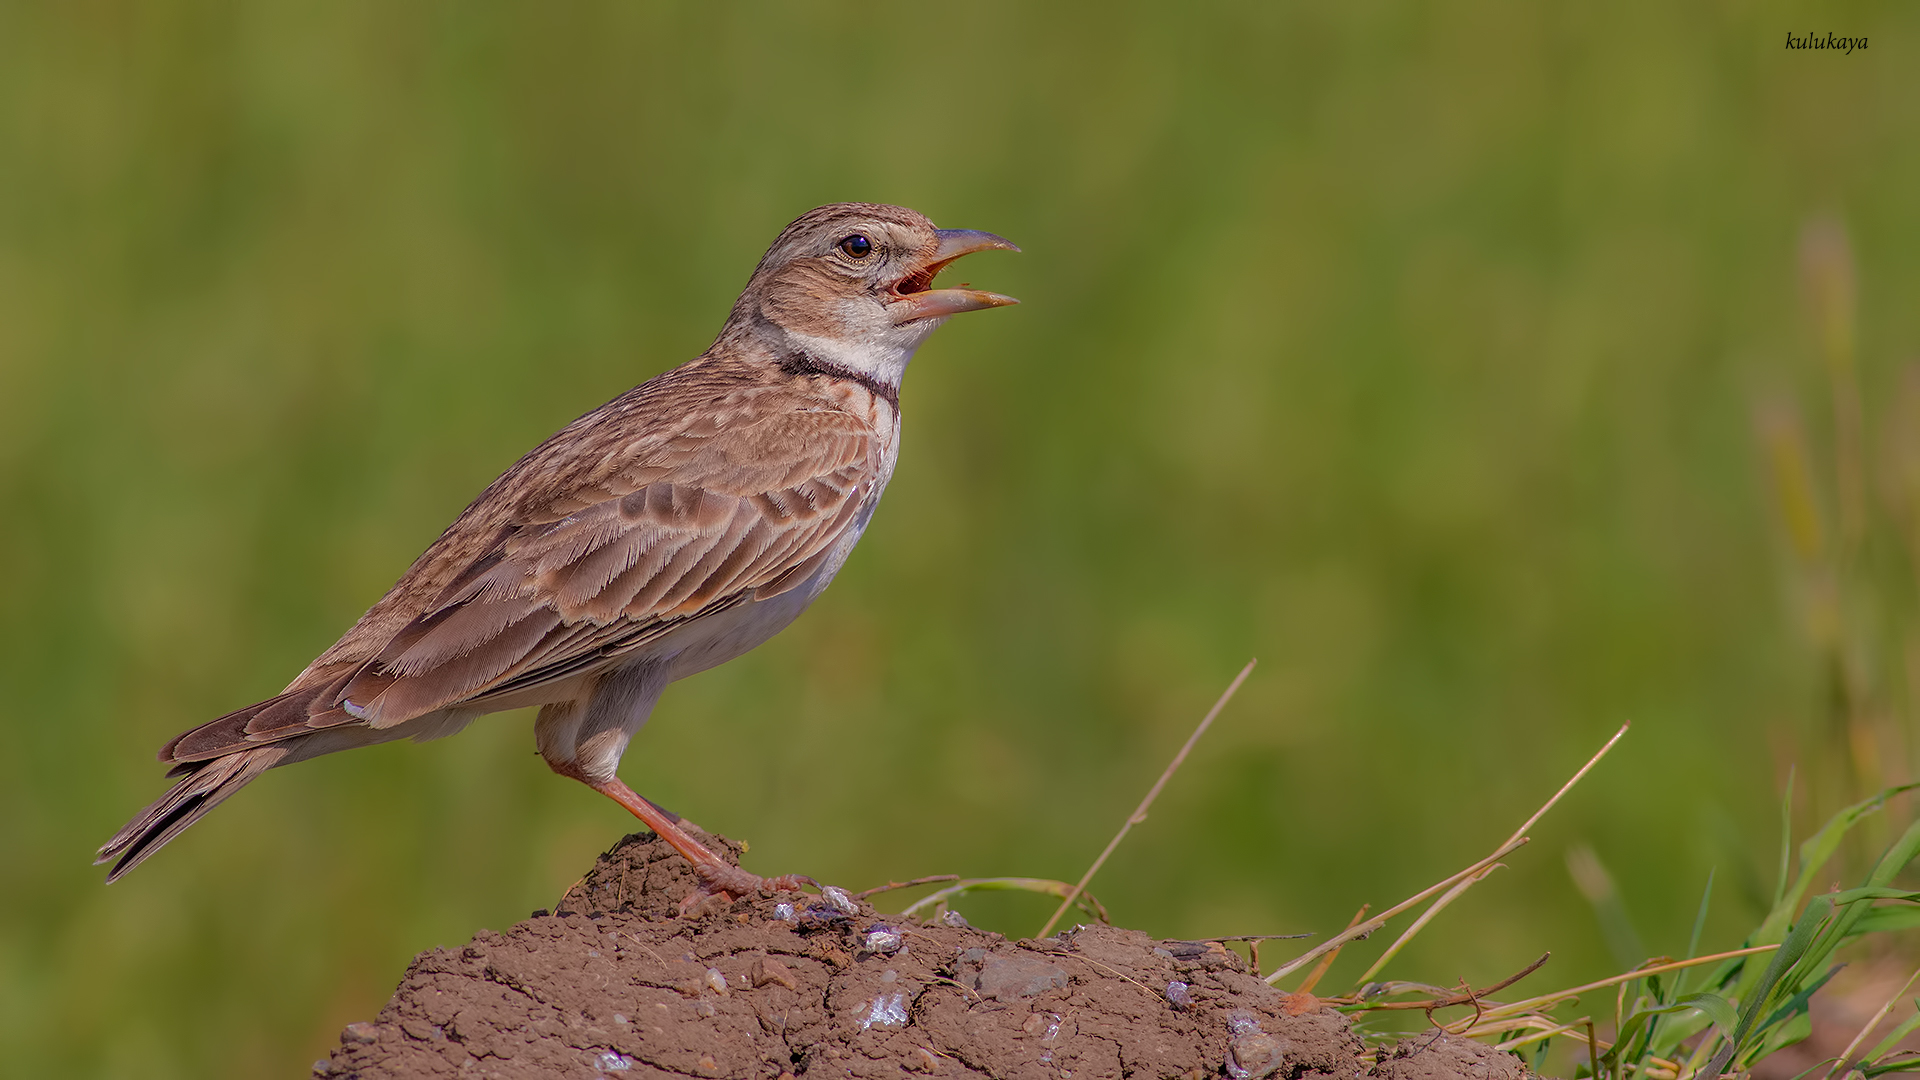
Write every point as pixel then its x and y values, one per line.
pixel 584 739
pixel 717 876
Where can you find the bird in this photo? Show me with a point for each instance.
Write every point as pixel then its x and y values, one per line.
pixel 664 533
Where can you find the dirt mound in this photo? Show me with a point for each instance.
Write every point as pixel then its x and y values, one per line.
pixel 616 984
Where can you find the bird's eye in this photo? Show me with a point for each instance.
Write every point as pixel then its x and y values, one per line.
pixel 856 246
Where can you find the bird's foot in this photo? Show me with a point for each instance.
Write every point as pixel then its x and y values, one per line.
pixel 725 883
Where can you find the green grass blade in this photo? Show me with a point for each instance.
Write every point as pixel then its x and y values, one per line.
pixel 1718 1009
pixel 1813 857
pixel 1902 1030
pixel 1887 920
pixel 1791 950
pixel 1638 1032
pixel 1700 919
pixel 1871 892
pixel 1798 1002
pixel 1786 841
pixel 1902 852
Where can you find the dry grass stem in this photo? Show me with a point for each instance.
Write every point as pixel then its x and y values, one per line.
pixel 1549 1000
pixel 1140 814
pixel 936 901
pixel 892 885
pixel 1320 969
pixel 1466 995
pixel 1847 1054
pixel 1367 928
pixel 1548 1031
pixel 1424 918
pixel 1446 886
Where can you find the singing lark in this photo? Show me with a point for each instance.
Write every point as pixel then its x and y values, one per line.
pixel 668 531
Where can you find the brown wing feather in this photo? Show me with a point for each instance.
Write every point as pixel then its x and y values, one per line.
pixel 607 567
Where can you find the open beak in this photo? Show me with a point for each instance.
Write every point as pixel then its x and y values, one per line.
pixel 920 300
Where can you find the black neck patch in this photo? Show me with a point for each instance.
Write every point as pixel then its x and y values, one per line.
pixel 802 363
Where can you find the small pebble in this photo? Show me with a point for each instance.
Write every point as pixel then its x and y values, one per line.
pixel 784 912
pixel 882 940
pixel 613 1061
pixel 716 981
pixel 839 899
pixel 955 920
pixel 887 1010
pixel 767 970
pixel 1178 995
pixel 1253 1054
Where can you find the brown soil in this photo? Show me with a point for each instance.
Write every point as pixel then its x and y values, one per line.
pixel 616 984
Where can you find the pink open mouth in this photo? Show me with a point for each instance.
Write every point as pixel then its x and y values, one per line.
pixel 918 299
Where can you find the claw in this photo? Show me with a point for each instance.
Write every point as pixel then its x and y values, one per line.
pixel 729 883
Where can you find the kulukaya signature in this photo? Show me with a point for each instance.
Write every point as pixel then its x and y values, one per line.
pixel 1815 41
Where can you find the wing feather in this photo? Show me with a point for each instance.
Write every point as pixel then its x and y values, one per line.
pixel 560 595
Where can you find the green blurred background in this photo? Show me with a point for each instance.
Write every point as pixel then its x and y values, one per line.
pixel 1415 350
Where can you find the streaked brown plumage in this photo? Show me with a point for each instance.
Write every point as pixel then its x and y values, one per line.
pixel 667 531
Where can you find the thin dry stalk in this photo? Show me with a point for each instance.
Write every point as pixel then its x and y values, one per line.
pixel 1548 1032
pixel 937 901
pixel 1140 814
pixel 1320 969
pixel 1466 995
pixel 1479 868
pixel 1421 922
pixel 1558 996
pixel 1366 928
pixel 890 886
pixel 1847 1054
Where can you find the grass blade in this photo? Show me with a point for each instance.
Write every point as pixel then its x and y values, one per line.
pixel 1140 813
pixel 1700 920
pixel 1789 954
pixel 1847 1054
pixel 1474 871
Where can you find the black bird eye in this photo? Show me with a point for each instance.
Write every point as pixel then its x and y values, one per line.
pixel 856 246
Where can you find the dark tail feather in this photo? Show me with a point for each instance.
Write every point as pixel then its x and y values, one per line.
pixel 204 786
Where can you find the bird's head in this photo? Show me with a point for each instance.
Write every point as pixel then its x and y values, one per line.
pixel 853 283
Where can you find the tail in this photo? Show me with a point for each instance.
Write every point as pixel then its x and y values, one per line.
pixel 219 758
pixel 204 785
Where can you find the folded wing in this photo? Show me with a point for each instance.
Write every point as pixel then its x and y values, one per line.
pixel 647 535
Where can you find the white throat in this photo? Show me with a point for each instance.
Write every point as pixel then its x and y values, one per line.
pixel 882 356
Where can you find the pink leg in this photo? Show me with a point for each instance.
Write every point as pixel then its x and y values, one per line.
pixel 717 876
